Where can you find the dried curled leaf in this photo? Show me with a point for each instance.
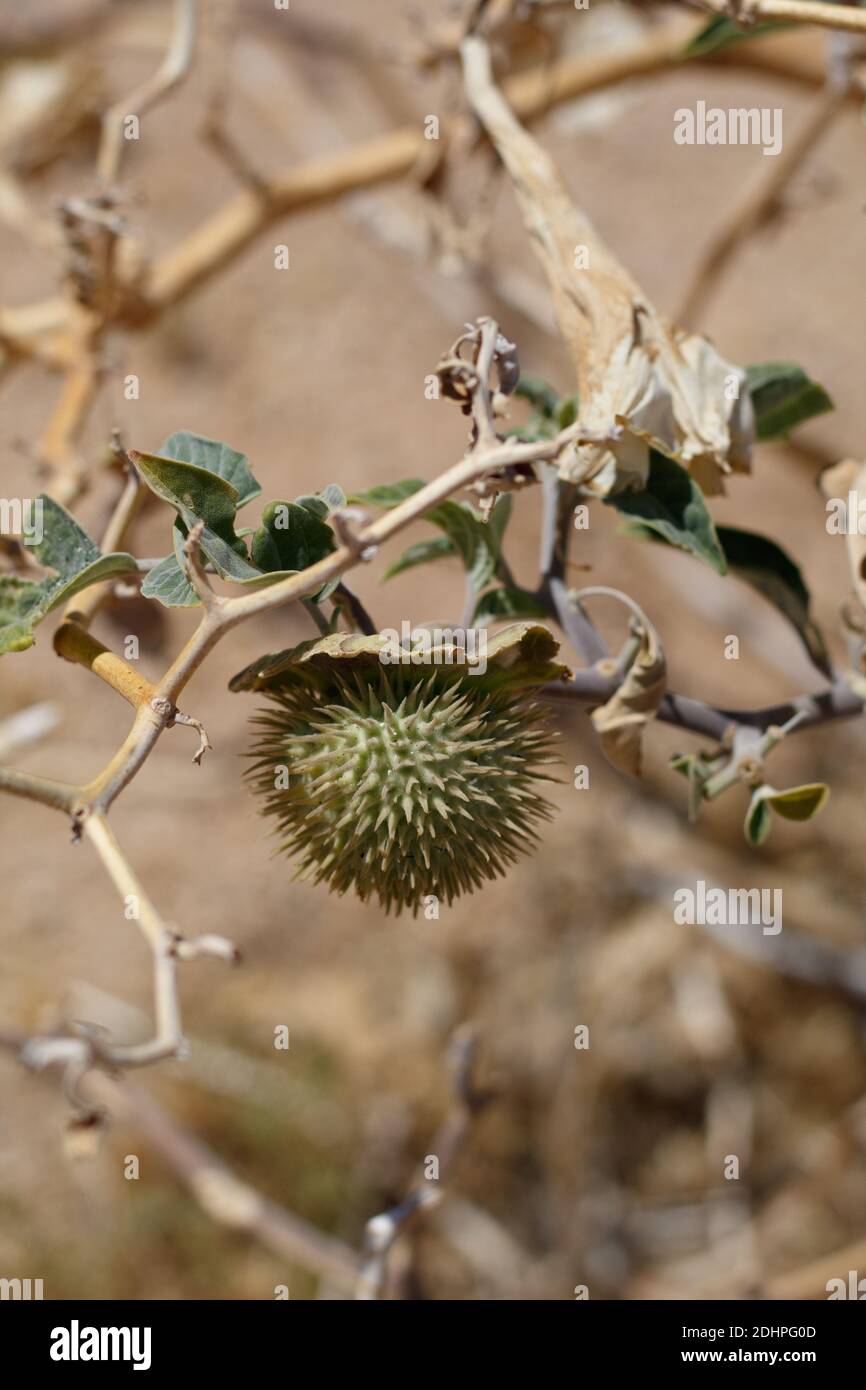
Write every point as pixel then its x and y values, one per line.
pixel 641 380
pixel 621 722
pixel 521 655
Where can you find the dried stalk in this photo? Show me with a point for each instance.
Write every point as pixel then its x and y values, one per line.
pixel 170 73
pixel 828 16
pixel 383 1231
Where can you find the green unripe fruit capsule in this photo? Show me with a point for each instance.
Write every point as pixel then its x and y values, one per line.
pixel 403 781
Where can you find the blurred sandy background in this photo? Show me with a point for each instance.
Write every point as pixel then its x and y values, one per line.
pixel 601 1167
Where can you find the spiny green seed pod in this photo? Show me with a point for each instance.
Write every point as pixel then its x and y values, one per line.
pixel 393 770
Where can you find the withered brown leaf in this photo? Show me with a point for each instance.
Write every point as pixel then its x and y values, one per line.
pixel 641 380
pixel 621 722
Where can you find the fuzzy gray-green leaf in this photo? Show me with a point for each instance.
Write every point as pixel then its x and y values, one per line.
pixel 77 561
pixel 673 505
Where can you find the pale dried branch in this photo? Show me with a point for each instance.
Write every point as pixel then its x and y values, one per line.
pixel 168 1033
pixel 383 1231
pixel 52 330
pixel 165 944
pixel 386 158
pixel 170 73
pixel 83 608
pixel 215 130
pixel 58 446
pixel 195 569
pixel 60 796
pixel 828 16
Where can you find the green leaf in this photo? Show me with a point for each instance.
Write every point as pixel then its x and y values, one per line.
pixel 475 540
pixel 566 412
pixel 673 505
pixel 207 481
pixel 198 494
pixel 334 495
pixel 217 458
pixel 759 819
pixel 321 504
pixel 434 548
pixel 106 567
pixel 168 583
pixel 539 427
pixel 766 566
pixel 18 598
pixel 388 494
pixel 314 504
pixel 783 396
pixel 77 561
pixel 471 538
pixel 798 803
pixel 196 497
pixel 68 549
pixel 506 603
pixel 539 394
pixel 168 580
pixel 15 637
pixel 497 521
pixel 720 32
pixel 291 537
pixel 697 768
